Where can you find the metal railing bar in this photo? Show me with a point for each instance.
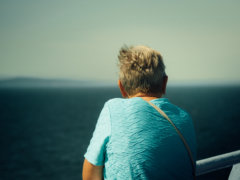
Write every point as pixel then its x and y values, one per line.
pixel 217 162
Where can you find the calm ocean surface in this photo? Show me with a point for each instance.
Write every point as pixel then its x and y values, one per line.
pixel 44 132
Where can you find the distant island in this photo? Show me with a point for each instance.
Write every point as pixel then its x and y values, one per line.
pixel 44 82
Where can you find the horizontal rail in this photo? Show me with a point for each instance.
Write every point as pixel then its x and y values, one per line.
pixel 217 162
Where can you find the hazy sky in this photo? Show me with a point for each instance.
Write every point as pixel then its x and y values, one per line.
pixel 199 40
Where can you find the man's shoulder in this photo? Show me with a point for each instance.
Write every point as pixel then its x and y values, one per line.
pixel 121 100
pixel 113 101
pixel 173 109
pixel 121 104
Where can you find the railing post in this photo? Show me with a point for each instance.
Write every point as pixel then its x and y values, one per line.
pixel 235 172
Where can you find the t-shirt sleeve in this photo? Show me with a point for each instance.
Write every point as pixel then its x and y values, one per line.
pixel 96 150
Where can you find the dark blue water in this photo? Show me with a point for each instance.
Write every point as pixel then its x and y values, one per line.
pixel 44 132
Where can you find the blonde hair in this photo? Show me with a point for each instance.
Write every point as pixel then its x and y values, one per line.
pixel 141 70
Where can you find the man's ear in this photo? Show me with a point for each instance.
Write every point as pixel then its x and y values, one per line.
pixel 122 90
pixel 164 85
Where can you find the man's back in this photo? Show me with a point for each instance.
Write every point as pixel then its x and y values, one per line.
pixel 144 145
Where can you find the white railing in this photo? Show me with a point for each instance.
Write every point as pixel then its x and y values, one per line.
pixel 215 163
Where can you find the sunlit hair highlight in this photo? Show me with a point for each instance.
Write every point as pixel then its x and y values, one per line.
pixel 141 70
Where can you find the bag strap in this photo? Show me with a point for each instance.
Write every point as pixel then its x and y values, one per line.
pixel 179 133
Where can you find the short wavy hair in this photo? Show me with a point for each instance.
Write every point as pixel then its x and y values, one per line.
pixel 141 70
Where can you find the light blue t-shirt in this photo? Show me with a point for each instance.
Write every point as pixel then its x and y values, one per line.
pixel 133 141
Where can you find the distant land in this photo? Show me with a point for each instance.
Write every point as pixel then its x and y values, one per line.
pixel 45 82
pixel 32 82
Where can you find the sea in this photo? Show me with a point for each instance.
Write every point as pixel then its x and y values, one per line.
pixel 44 132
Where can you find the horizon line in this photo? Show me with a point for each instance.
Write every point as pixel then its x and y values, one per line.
pixel 109 82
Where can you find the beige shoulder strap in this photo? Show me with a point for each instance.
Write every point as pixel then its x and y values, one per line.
pixel 179 133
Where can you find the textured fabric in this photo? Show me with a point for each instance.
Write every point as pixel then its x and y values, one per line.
pixel 97 148
pixel 133 141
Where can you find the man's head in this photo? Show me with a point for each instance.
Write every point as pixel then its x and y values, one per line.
pixel 141 70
